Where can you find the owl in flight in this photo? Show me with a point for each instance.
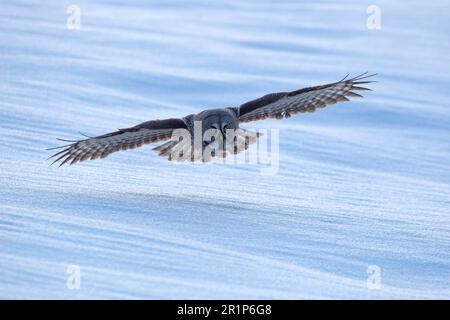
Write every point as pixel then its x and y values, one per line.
pixel 215 130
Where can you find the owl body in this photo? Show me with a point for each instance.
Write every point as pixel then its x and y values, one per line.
pixel 208 134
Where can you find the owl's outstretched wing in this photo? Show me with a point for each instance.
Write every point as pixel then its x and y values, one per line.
pixel 284 104
pixel 122 139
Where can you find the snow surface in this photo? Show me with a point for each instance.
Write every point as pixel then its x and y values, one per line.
pixel 359 184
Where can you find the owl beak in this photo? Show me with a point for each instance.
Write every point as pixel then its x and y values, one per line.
pixel 222 136
pixel 223 130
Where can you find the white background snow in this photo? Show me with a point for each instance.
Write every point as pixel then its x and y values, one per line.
pixel 359 184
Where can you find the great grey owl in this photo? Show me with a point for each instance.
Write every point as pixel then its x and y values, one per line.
pixel 191 135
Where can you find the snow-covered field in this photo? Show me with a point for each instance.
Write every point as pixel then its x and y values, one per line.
pixel 359 184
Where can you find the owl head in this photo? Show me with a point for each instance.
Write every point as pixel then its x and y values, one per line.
pixel 215 124
pixel 217 120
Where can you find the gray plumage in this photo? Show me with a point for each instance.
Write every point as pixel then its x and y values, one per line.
pixel 275 105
